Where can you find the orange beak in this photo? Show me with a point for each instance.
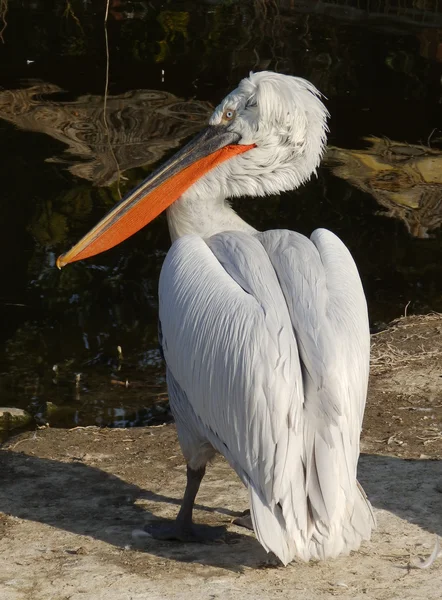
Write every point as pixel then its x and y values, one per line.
pixel 209 149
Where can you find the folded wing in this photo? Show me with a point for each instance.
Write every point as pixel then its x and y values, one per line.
pixel 267 337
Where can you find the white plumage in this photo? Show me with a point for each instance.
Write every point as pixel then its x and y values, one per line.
pixel 266 341
pixel 266 337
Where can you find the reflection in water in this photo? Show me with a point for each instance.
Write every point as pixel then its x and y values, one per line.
pixel 381 75
pixel 142 125
pixel 406 179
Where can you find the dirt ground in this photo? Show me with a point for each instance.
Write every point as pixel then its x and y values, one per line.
pixel 70 500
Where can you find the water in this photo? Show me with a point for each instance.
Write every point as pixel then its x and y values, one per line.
pixel 79 347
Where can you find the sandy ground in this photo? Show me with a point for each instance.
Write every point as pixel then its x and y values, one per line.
pixel 69 501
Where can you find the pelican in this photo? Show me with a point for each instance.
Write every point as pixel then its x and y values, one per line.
pixel 265 334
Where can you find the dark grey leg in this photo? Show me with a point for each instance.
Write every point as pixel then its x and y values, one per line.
pixel 184 517
pixel 183 529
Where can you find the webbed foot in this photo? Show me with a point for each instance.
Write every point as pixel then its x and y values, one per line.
pixel 244 520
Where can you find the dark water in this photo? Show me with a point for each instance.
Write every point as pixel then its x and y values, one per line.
pixel 379 65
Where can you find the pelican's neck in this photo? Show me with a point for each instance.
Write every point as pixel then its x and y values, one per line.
pixel 201 216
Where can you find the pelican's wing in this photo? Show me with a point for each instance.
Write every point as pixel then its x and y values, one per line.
pixel 328 310
pixel 228 341
pixel 249 338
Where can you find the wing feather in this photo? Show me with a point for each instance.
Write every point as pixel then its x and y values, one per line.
pixel 258 333
pixel 243 373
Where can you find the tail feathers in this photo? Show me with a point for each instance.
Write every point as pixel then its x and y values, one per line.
pixel 324 540
pixel 346 534
pixel 270 528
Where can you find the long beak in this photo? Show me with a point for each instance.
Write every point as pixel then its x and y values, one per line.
pixel 211 147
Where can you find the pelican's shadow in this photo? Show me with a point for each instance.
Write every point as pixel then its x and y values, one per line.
pixel 88 501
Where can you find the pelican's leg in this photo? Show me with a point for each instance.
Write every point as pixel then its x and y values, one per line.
pixel 197 452
pixel 184 517
pixel 183 529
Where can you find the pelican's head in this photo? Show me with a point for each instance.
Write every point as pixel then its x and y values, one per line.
pixel 286 122
pixel 266 136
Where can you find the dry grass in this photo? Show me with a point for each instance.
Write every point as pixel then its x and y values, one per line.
pixel 388 352
pixel 391 358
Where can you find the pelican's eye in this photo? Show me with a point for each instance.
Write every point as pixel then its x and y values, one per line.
pixel 229 114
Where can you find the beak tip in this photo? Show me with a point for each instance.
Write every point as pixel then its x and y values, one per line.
pixel 60 263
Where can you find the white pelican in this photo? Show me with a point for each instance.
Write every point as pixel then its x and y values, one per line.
pixel 265 335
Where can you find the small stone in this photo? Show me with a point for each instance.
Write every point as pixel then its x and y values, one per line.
pixel 81 550
pixel 12 418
